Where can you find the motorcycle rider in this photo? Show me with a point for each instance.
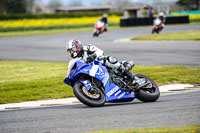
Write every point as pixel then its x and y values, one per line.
pixel 104 19
pixel 158 22
pixel 162 18
pixel 90 53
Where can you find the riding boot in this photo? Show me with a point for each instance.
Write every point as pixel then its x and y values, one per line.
pixel 123 70
pixel 128 66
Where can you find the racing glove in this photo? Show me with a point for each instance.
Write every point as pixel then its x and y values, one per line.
pixel 91 58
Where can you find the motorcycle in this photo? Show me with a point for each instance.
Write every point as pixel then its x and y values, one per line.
pixel 98 28
pixel 93 84
pixel 157 26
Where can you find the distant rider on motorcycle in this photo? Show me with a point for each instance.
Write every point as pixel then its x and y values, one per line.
pixel 158 23
pixel 104 19
pixel 91 53
pixel 162 18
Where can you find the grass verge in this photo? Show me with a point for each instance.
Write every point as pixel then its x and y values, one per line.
pixel 41 32
pixel 187 129
pixel 49 31
pixel 27 81
pixel 186 35
pixel 195 21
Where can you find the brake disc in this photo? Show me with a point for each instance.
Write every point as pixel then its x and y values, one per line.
pixel 95 95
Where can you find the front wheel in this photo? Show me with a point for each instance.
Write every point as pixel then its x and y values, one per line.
pixel 96 33
pixel 157 31
pixel 150 92
pixel 95 98
pixel 154 30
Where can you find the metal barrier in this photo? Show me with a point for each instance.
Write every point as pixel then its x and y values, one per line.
pixel 149 21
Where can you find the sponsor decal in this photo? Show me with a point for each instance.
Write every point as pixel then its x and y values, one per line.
pixel 112 91
pixel 105 80
pixel 85 69
pixel 100 73
pixel 121 95
pixel 93 70
pixel 118 92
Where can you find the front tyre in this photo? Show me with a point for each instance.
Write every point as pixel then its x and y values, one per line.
pixel 94 34
pixel 154 30
pixel 150 92
pixel 92 99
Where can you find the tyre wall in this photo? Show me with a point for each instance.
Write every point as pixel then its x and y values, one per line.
pixel 149 21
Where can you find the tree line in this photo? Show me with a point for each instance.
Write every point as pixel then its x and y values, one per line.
pixel 26 6
pixel 15 6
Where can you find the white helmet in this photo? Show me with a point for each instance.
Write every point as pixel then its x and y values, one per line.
pixel 161 14
pixel 75 48
pixel 105 15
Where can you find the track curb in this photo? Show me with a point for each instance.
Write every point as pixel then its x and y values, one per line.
pixel 71 101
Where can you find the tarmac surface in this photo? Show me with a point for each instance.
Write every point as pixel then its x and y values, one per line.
pixel 52 47
pixel 180 108
pixel 171 110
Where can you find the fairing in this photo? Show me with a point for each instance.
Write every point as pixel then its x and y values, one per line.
pixel 97 70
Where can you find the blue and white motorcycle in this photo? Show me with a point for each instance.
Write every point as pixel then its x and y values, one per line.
pixel 94 84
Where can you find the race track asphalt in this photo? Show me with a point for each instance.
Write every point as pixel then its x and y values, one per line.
pixel 52 47
pixel 169 111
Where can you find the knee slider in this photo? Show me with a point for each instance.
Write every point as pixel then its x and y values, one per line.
pixel 112 60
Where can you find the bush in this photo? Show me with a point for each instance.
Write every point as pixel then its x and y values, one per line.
pixel 56 15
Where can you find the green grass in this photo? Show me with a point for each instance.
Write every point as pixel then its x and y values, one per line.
pixel 195 21
pixel 50 31
pixel 26 81
pixel 187 129
pixel 186 35
pixel 163 75
pixel 42 32
pixel 14 29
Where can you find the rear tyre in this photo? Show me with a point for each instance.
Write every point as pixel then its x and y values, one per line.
pixel 149 93
pixel 92 99
pixel 153 31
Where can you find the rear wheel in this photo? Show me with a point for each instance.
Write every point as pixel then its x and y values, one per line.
pixel 150 92
pixel 94 98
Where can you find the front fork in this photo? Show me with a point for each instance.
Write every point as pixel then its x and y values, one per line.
pixel 87 84
pixel 90 85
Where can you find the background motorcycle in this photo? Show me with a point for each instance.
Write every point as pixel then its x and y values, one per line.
pixel 157 26
pixel 98 28
pixel 93 84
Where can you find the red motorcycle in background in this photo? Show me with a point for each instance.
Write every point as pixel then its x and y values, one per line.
pixel 98 28
pixel 157 26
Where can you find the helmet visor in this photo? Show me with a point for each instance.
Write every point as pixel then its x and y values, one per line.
pixel 70 51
